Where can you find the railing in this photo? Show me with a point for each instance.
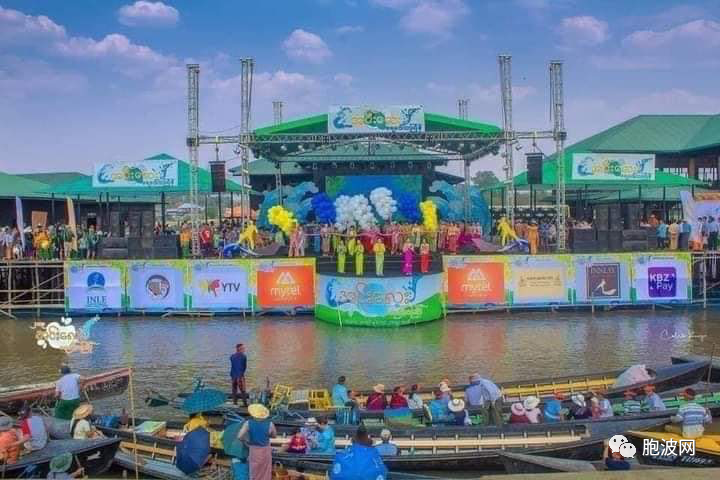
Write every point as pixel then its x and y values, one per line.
pixel 31 285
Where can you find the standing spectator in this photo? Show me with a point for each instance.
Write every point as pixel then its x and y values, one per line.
pixel 92 242
pixel 82 243
pixel 68 392
pixel 674 234
pixel 238 366
pixel 712 233
pixel 662 234
pixel 67 238
pixel 685 231
pixel 703 233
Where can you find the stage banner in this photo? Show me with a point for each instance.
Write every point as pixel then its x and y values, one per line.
pixel 95 286
pixel 285 283
pixel 220 285
pixel 602 278
pixel 146 173
pixel 702 205
pixel 540 279
pixel 613 166
pixel 155 285
pixel 373 119
pixel 662 277
pixel 378 302
pixel 478 280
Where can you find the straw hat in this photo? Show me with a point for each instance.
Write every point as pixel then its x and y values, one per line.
pixel 379 388
pixel 311 422
pixel 579 400
pixel 258 411
pixel 5 424
pixel 517 409
pixel 531 402
pixel 61 463
pixel 83 411
pixel 456 405
pixel 444 387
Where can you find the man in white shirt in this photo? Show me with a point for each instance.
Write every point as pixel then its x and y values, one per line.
pixel 67 390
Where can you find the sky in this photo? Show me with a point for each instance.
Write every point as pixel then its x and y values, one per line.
pixel 87 81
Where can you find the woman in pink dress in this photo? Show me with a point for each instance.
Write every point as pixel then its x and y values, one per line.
pixel 408 254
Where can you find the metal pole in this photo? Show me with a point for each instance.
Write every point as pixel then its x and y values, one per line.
pixel 466 193
pixel 162 210
pixel 232 206
pixel 193 141
pixel 220 215
pixel 206 209
pixel 52 209
pixel 559 134
pixel 504 62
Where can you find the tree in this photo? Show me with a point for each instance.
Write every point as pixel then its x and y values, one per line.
pixel 485 178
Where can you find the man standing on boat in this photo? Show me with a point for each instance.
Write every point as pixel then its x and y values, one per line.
pixel 68 392
pixel 238 365
pixel 483 392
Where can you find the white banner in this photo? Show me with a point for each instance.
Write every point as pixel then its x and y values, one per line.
pixel 694 209
pixel 94 288
pixel 146 173
pixel 374 119
pixel 613 166
pixel 219 286
pixel 155 287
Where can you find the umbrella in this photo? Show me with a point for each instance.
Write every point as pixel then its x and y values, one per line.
pixel 231 445
pixel 203 400
pixel 193 451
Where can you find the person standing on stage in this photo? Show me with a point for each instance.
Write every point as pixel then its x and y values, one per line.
pixel 408 255
pixel 238 366
pixel 533 236
pixel 379 250
pixel 359 258
pixel 341 249
pixel 424 256
pixel 325 236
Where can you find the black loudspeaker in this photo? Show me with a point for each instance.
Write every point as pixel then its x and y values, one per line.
pixel 632 219
pixel 534 168
pixel 615 240
pixel 165 241
pixel 603 240
pixel 217 173
pixel 584 234
pixel 639 235
pixel 113 253
pixel 165 252
pixel 615 217
pixel 602 219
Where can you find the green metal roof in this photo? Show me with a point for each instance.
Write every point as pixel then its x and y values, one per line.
pixel 52 178
pixel 378 151
pixel 16 185
pixel 263 166
pixel 433 123
pixel 83 186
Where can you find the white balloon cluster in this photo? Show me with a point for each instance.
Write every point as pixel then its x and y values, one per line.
pixel 353 211
pixel 382 200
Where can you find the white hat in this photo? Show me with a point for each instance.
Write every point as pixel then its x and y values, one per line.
pixel 531 402
pixel 578 399
pixel 456 405
pixel 379 388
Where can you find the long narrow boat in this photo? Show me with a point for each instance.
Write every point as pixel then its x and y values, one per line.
pixel 95 456
pixel 715 368
pixel 666 378
pixel 520 463
pixel 470 449
pixel 101 385
pixel 655 446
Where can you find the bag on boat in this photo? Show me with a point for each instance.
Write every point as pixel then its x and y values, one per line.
pixel 358 462
pixel 631 376
pixel 240 469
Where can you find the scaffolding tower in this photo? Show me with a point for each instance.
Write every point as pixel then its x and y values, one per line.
pixel 559 135
pixel 246 83
pixel 504 62
pixel 193 142
pixel 463 105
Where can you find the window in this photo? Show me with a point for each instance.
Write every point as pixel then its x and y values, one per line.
pixel 707 174
pixel 682 171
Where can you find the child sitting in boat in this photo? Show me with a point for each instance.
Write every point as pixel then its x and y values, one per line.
pixel 297 444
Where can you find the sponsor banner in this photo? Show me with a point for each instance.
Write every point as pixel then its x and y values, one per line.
pixel 375 119
pixel 538 280
pixel 602 278
pixel 219 285
pixel 95 287
pixel 472 283
pixel 613 166
pixel 156 286
pixel 378 301
pixel 281 285
pixel 146 173
pixel 662 278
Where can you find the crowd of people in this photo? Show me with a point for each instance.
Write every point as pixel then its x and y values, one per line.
pixel 54 242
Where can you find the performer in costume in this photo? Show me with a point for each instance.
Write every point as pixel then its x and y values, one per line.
pixel 359 258
pixel 408 254
pixel 341 250
pixel 533 236
pixel 506 231
pixel 379 249
pixel 301 239
pixel 424 256
pixel 416 235
pixel 325 236
pixel 249 235
pixel 395 239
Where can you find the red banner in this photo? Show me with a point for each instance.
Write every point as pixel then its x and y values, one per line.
pixel 476 283
pixel 286 286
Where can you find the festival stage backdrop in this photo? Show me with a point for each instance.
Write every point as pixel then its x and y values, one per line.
pixel 95 287
pixel 156 285
pixel 363 184
pixel 380 302
pixel 285 283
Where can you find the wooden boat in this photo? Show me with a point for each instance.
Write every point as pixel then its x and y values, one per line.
pixel 468 449
pixel 714 371
pixel 706 454
pixel 666 378
pixel 520 463
pixel 95 456
pixel 95 387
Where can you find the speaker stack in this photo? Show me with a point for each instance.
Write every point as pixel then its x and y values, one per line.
pixel 113 248
pixel 217 175
pixel 632 218
pixel 166 246
pixel 584 240
pixel 534 168
pixel 635 240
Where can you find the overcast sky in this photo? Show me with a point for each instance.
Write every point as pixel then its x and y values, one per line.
pixel 85 81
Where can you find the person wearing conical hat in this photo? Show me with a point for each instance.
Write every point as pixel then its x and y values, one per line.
pixel 256 433
pixel 377 400
pixel 460 416
pixel 532 412
pixel 80 426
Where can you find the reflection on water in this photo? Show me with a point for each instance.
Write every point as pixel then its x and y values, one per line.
pixel 169 353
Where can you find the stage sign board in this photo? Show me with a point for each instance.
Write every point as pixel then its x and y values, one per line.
pixel 662 278
pixel 282 285
pixel 384 301
pixel 157 285
pixel 146 173
pixel 476 283
pixel 603 278
pixel 95 286
pixel 376 119
pixel 220 285
pixel 613 166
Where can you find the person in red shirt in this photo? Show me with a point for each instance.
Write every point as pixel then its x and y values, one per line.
pixel 424 256
pixel 376 400
pixel 517 414
pixel 206 238
pixel 298 443
pixel 398 400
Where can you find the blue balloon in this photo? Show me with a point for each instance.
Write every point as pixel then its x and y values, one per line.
pixel 324 208
pixel 407 207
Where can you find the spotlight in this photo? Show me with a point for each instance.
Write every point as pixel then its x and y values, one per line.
pixel 314 166
pixel 301 148
pixel 518 147
pixel 334 166
pixel 429 165
pixel 283 148
pixel 437 145
pixel 461 146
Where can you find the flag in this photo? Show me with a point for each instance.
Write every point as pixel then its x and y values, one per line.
pixel 20 221
pixel 71 222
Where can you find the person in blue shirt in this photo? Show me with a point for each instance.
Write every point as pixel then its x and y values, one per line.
pixel 238 366
pixel 325 440
pixel 652 401
pixel 662 234
pixel 386 448
pixel 553 411
pixel 686 230
pixel 340 394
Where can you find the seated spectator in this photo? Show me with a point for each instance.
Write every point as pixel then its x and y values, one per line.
pixel 398 400
pixel 385 447
pixel 415 400
pixel 376 400
pixel 532 412
pixel 517 414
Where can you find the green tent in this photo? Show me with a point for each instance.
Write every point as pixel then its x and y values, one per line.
pixel 16 185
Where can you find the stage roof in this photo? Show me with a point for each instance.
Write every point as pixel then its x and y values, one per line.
pixel 53 178
pixel 18 186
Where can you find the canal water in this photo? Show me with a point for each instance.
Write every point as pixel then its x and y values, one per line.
pixel 168 353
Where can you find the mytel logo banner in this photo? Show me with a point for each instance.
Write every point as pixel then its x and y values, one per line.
pixel 286 285
pixel 94 288
pixel 476 283
pixel 219 287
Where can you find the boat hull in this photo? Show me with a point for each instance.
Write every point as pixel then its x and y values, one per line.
pixel 95 456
